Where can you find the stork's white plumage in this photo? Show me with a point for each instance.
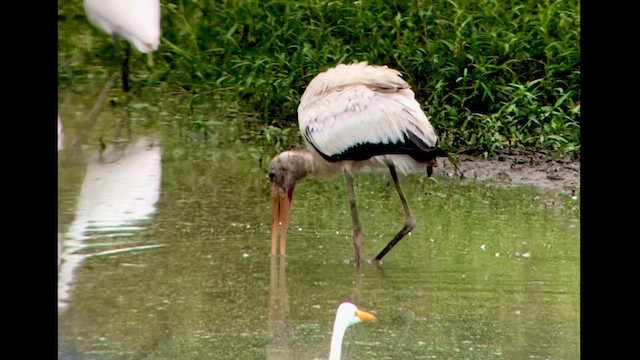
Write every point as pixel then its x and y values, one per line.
pixel 137 21
pixel 352 105
pixel 347 314
pixel 353 116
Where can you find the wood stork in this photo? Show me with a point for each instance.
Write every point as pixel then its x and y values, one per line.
pixel 352 117
pixel 347 314
pixel 137 21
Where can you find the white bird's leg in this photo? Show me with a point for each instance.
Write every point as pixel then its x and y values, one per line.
pixel 409 224
pixel 357 232
pixel 124 62
pixel 120 61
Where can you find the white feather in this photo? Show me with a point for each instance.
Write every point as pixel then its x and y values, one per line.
pixel 403 164
pixel 358 103
pixel 138 21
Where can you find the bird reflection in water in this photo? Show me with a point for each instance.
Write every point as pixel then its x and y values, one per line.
pixel 279 321
pixel 282 344
pixel 115 202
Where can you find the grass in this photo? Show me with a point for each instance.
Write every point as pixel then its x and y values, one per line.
pixel 490 74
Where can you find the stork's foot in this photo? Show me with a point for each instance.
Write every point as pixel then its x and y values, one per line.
pixel 377 263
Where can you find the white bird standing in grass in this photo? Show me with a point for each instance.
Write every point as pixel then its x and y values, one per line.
pixel 137 21
pixel 352 117
pixel 347 314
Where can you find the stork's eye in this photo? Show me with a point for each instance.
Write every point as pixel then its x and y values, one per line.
pixel 272 175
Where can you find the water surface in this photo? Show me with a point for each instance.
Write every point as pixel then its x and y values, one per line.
pixel 488 272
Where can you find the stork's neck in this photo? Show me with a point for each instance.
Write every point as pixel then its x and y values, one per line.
pixel 307 162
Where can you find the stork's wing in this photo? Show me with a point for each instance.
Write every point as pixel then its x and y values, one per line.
pixel 365 117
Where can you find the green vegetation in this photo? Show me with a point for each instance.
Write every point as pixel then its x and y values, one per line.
pixel 491 74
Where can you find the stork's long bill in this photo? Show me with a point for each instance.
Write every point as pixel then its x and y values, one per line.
pixel 280 210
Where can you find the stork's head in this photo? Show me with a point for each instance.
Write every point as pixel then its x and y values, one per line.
pixel 287 168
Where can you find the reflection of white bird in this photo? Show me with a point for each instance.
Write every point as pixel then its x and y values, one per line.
pixel 347 314
pixel 137 21
pixel 60 144
pixel 60 134
pixel 351 117
pixel 115 202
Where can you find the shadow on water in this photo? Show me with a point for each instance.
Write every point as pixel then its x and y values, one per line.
pixel 119 192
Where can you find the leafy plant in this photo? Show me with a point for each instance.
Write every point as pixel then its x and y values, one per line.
pixel 490 74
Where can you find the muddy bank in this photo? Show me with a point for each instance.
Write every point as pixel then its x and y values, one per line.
pixel 519 168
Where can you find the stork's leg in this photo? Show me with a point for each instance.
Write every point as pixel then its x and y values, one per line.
pixel 409 224
pixel 357 232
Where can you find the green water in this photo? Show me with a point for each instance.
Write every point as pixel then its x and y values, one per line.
pixel 488 272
